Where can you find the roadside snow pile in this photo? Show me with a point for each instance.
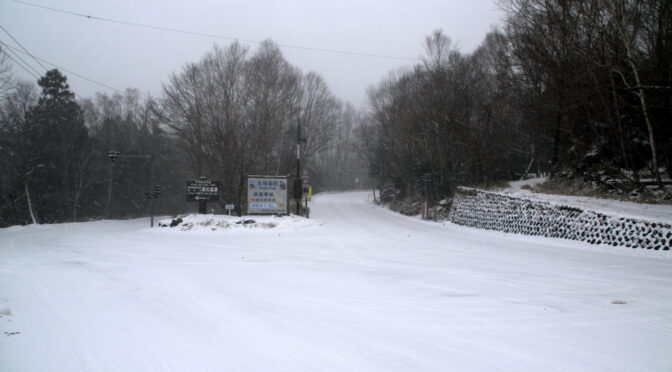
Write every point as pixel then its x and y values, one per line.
pixel 493 211
pixel 627 209
pixel 216 222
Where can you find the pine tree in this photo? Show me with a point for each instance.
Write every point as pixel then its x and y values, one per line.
pixel 59 144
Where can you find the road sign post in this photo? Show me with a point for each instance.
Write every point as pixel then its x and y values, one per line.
pixel 305 189
pixel 230 207
pixel 202 191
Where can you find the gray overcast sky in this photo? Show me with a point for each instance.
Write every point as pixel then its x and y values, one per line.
pixel 125 56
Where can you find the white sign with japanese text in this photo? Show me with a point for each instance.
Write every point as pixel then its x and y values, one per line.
pixel 266 195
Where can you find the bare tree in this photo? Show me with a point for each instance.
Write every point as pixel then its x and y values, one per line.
pixel 6 82
pixel 319 115
pixel 16 160
pixel 236 113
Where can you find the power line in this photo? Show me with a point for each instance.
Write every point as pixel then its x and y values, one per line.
pixel 14 49
pixel 31 73
pixel 68 71
pixel 195 33
pixel 20 65
pixel 22 47
pixel 36 73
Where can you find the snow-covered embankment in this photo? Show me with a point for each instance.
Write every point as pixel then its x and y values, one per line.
pixel 493 211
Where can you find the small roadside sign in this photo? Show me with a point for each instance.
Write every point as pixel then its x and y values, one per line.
pixel 305 182
pixel 230 207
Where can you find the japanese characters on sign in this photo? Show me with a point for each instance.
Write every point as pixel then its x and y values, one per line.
pixel 202 189
pixel 266 195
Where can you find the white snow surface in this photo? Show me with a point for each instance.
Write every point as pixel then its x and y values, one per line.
pixel 647 212
pixel 364 290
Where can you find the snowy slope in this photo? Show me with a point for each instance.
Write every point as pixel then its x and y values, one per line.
pixel 647 212
pixel 368 290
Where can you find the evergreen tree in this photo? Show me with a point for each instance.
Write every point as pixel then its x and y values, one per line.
pixel 59 150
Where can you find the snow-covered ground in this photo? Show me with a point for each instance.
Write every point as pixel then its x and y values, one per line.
pixel 648 212
pixel 210 223
pixel 363 290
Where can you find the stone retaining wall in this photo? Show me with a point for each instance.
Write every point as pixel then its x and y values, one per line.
pixel 487 210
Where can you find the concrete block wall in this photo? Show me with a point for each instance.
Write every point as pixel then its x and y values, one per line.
pixel 492 211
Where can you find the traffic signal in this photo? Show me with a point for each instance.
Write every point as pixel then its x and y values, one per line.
pixel 154 194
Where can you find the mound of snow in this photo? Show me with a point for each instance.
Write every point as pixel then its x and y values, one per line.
pixel 647 212
pixel 217 222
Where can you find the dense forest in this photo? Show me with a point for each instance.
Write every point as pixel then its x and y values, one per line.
pixel 231 114
pixel 580 90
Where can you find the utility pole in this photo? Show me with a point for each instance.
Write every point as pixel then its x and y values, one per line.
pixel 424 212
pixel 298 166
pixel 427 181
pixel 108 205
pixel 152 192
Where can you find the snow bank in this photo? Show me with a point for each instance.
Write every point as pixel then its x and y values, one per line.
pixel 649 212
pixel 214 222
pixel 493 211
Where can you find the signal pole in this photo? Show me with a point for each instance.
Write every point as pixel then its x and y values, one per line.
pixel 298 165
pixel 152 191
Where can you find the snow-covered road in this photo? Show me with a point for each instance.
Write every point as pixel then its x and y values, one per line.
pixel 367 290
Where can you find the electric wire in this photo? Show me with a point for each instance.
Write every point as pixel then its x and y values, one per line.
pixel 20 65
pixel 19 58
pixel 14 49
pixel 31 73
pixel 22 47
pixel 195 33
pixel 68 71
